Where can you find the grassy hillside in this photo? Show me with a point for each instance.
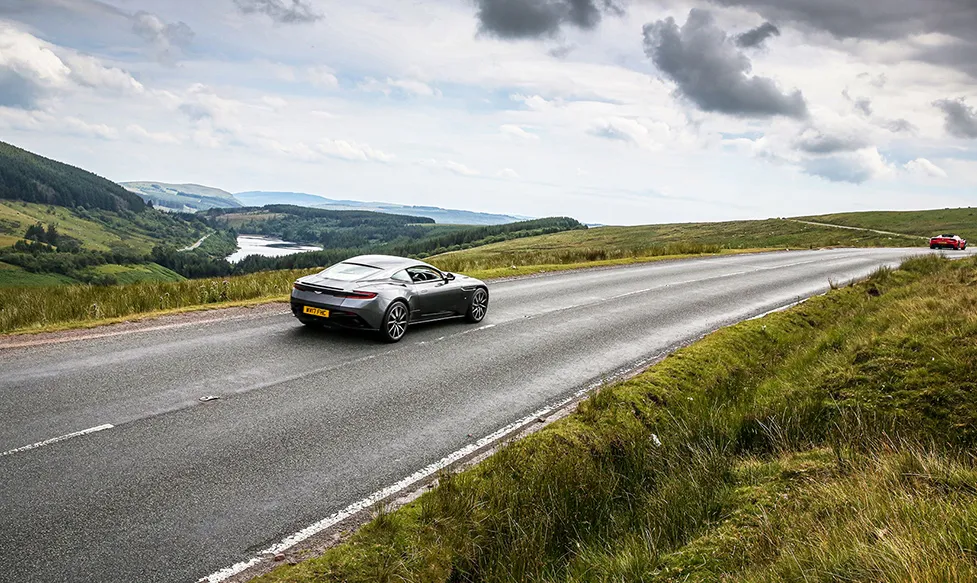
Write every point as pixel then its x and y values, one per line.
pixel 97 230
pixel 834 441
pixel 962 221
pixel 603 243
pixel 182 197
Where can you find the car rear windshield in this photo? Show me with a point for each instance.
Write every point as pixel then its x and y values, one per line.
pixel 350 271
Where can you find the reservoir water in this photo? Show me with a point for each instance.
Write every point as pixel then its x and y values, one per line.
pixel 266 247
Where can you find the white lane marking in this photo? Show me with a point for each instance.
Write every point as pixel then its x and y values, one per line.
pixel 333 519
pixel 57 439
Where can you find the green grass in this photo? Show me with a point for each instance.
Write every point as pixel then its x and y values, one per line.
pixel 149 272
pixel 833 441
pixel 26 309
pixel 960 221
pixel 608 243
pixel 12 276
pixel 106 234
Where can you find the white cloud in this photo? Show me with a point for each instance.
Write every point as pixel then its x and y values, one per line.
pixel 322 76
pixel 274 102
pixel 351 151
pixel 450 166
pixel 141 134
pixel 32 71
pixel 923 167
pixel 518 132
pixel 94 130
pixel 507 173
pixel 411 87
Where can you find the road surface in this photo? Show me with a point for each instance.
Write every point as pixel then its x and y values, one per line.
pixel 310 421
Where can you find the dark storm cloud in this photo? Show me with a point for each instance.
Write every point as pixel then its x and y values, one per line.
pixel 864 106
pixel 757 36
pixel 712 72
pixel 815 142
pixel 168 39
pixel 884 20
pixel 283 11
pixel 540 18
pixel 900 125
pixel 839 169
pixel 960 119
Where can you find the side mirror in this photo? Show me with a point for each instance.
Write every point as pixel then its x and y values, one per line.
pixel 449 276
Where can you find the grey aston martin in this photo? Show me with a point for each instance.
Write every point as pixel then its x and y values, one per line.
pixel 386 294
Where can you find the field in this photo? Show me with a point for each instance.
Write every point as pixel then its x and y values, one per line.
pixel 604 243
pixel 834 441
pixel 107 233
pixel 962 221
pixel 148 272
pixel 12 276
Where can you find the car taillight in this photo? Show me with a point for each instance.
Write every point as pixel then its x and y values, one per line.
pixel 361 295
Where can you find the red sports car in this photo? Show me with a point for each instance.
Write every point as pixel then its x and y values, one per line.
pixel 948 242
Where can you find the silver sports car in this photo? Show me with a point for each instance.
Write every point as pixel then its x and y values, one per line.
pixel 386 294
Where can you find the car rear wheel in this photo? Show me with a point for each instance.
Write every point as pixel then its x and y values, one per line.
pixel 478 306
pixel 395 322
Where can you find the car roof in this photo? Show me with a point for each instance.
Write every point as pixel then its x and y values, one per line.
pixel 385 262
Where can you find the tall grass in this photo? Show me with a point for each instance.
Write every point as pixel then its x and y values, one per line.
pixel 833 441
pixel 40 307
pixel 475 260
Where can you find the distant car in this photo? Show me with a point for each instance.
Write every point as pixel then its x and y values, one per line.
pixel 386 294
pixel 948 242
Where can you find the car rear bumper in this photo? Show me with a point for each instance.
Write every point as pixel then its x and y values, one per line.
pixel 357 317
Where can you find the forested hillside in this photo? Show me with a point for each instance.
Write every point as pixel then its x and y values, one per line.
pixel 32 178
pixel 61 224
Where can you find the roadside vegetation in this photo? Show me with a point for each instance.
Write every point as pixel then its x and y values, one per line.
pixel 959 221
pixel 610 243
pixel 833 441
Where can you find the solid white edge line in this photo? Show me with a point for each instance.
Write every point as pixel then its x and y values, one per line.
pixel 57 439
pixel 379 495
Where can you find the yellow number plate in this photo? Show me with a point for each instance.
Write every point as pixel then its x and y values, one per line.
pixel 315 311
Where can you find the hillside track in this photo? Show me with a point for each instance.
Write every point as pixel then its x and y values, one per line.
pixel 166 487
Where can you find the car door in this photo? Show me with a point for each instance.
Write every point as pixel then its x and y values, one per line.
pixel 434 297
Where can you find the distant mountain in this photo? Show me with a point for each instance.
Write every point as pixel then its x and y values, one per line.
pixel 31 178
pixel 440 215
pixel 182 197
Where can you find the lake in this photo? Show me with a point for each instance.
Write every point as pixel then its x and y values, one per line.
pixel 266 247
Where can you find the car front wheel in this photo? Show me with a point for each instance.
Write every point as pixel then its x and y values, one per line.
pixel 478 306
pixel 395 322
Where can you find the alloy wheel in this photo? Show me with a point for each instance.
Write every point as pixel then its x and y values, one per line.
pixel 479 305
pixel 397 321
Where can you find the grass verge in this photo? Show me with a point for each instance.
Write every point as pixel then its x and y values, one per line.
pixel 830 442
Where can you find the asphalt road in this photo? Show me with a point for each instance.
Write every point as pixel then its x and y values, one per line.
pixel 311 421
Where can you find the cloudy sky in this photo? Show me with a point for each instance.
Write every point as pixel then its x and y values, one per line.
pixel 610 111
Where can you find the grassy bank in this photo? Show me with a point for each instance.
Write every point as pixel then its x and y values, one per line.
pixel 830 442
pixel 39 308
pixel 962 221
pixel 609 243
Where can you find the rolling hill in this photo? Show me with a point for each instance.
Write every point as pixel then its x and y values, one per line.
pixel 440 215
pixel 182 197
pixel 62 224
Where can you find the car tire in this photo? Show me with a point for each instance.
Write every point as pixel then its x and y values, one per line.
pixel 477 306
pixel 395 322
pixel 932 246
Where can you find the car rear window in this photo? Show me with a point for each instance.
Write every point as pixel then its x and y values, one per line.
pixel 350 271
